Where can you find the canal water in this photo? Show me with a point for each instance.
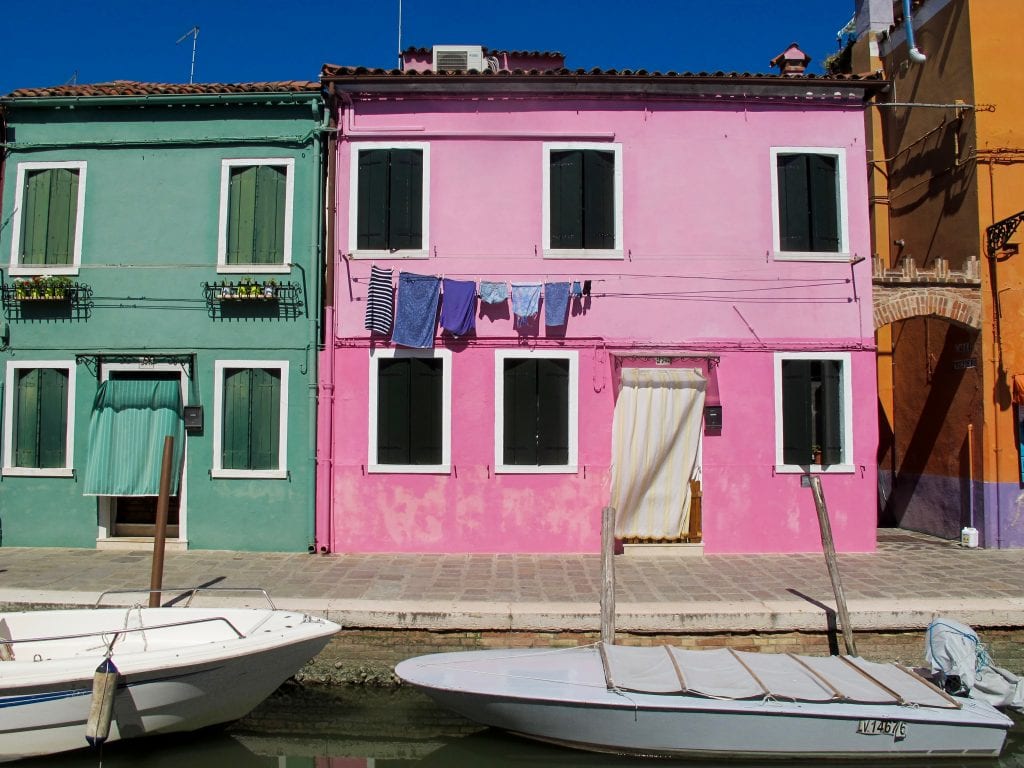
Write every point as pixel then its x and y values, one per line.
pixel 358 727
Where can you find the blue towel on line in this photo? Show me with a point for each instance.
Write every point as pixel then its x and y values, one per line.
pixel 525 301
pixel 458 307
pixel 556 303
pixel 416 317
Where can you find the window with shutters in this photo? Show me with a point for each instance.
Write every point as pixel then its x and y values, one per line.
pixel 389 206
pixel 250 419
pixel 256 215
pixel 814 419
pixel 809 218
pixel 582 201
pixel 39 415
pixel 410 411
pixel 47 226
pixel 536 411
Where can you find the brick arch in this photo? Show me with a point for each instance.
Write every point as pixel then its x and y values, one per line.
pixel 960 306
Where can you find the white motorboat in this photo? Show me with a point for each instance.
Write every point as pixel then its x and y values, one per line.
pixel 173 669
pixel 667 701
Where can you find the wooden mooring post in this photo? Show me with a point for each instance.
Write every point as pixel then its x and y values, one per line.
pixel 828 545
pixel 156 578
pixel 608 575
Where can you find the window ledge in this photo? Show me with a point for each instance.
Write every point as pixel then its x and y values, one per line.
pixel 817 469
pixel 421 253
pixel 246 474
pixel 812 256
pixel 583 253
pixel 409 469
pixel 40 269
pixel 32 472
pixel 254 269
pixel 536 469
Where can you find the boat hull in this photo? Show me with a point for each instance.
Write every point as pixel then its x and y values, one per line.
pixel 579 711
pixel 158 692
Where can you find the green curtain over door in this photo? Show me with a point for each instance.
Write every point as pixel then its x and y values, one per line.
pixel 130 419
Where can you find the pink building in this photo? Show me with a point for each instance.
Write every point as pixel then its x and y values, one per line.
pixel 643 290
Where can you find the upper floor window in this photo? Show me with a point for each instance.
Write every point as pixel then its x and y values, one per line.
pixel 39 414
pixel 47 227
pixel 390 184
pixel 536 411
pixel 256 214
pixel 250 416
pixel 410 411
pixel 814 418
pixel 809 203
pixel 583 200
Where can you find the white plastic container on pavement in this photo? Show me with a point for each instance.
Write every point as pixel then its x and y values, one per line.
pixel 969 537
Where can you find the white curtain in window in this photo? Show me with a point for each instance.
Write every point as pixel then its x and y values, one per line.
pixel 655 444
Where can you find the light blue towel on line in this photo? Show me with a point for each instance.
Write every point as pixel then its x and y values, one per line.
pixel 416 316
pixel 492 292
pixel 556 303
pixel 525 301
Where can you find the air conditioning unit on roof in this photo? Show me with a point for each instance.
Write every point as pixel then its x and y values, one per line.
pixel 458 58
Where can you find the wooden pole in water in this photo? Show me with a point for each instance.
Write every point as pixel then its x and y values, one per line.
pixel 608 575
pixel 833 566
pixel 156 579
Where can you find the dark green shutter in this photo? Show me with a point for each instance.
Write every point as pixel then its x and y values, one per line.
pixel 566 199
pixel 235 429
pixel 830 411
pixel 265 418
pixel 241 214
pixel 520 418
pixel 599 199
pixel 794 211
pixel 372 205
pixel 796 411
pixel 425 410
pixel 41 419
pixel 393 410
pixel 552 411
pixel 269 215
pixel 823 203
pixel 405 209
pixel 49 220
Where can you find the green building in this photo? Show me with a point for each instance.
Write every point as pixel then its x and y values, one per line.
pixel 160 249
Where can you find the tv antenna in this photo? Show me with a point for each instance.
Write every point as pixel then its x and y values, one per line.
pixel 195 38
pixel 400 34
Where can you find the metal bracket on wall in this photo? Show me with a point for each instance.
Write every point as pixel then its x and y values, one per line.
pixel 999 234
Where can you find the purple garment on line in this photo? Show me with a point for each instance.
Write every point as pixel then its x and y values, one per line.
pixel 458 306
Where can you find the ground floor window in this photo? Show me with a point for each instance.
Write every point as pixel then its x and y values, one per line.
pixel 813 404
pixel 536 411
pixel 250 407
pixel 39 414
pixel 410 410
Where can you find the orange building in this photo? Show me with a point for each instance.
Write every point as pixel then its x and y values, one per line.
pixel 946 175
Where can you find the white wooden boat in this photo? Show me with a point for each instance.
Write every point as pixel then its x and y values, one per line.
pixel 177 669
pixel 667 701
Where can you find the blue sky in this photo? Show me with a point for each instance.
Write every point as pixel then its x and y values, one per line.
pixel 49 42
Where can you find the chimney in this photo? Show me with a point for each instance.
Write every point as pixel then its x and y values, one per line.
pixel 791 62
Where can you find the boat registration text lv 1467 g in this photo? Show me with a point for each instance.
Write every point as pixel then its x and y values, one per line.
pixel 895 728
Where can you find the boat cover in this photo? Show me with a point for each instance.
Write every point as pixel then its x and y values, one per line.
pixel 727 674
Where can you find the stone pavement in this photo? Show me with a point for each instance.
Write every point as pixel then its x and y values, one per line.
pixel 909 580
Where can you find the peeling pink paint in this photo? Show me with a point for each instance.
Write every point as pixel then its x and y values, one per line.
pixel 697 277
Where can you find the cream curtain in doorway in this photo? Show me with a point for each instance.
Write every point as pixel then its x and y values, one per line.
pixel 656 437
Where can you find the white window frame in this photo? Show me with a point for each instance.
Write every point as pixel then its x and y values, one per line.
pixel 105 503
pixel 445 467
pixel 218 471
pixel 847 465
pixel 572 465
pixel 353 207
pixel 842 206
pixel 289 201
pixel 17 268
pixel 581 253
pixel 69 446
